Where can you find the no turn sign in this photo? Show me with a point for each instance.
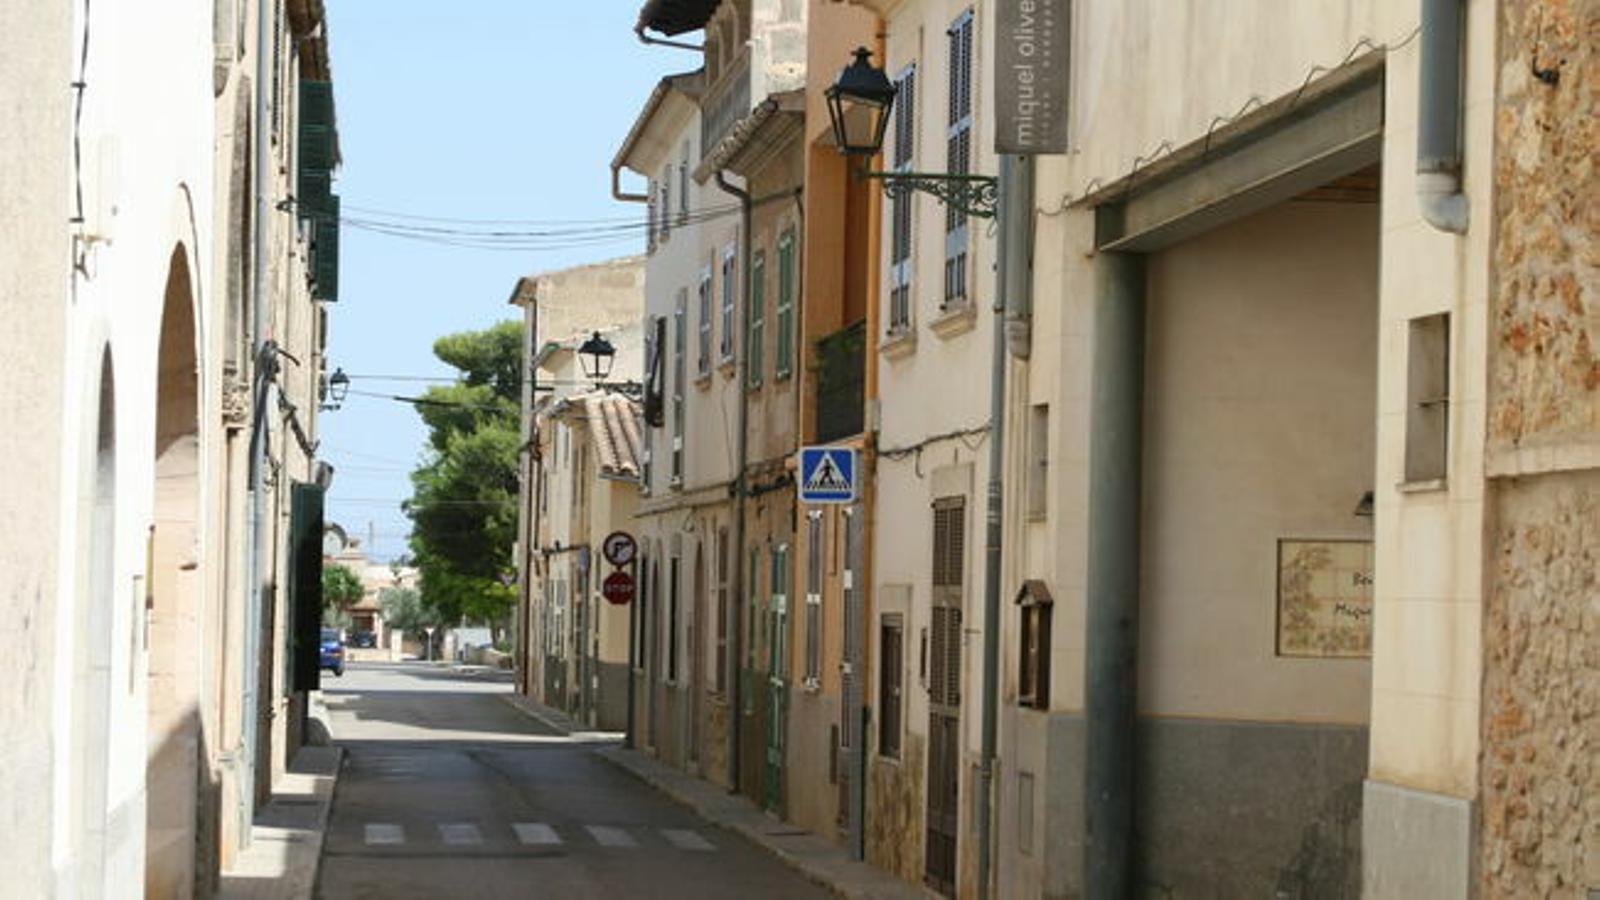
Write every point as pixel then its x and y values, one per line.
pixel 618 548
pixel 617 588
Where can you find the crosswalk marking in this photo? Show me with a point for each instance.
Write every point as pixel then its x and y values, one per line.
pixel 385 834
pixel 536 833
pixel 460 833
pixel 684 839
pixel 608 836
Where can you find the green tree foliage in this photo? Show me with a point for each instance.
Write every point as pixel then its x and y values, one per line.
pixel 341 587
pixel 404 610
pixel 463 505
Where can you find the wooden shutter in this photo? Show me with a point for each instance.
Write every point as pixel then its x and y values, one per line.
pixel 305 583
pixel 949 555
pixel 890 680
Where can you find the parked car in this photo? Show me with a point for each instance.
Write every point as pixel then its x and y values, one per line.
pixel 365 639
pixel 333 651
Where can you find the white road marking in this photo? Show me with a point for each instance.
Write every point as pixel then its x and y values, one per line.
pixel 537 833
pixel 608 836
pixel 460 833
pixel 684 839
pixel 385 834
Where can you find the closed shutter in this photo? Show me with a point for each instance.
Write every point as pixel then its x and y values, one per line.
pixel 949 555
pixel 958 154
pixel 305 584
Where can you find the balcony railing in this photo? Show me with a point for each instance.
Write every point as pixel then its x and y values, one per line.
pixel 841 383
pixel 726 103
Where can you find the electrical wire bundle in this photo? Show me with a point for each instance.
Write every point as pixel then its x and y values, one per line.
pixel 523 235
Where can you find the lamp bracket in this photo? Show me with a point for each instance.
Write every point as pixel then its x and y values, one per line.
pixel 975 195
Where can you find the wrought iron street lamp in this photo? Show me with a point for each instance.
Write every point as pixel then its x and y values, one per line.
pixel 860 104
pixel 335 390
pixel 597 355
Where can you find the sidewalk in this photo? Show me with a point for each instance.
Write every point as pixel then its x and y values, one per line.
pixel 819 860
pixel 286 837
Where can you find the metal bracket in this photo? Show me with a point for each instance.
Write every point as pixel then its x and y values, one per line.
pixel 975 195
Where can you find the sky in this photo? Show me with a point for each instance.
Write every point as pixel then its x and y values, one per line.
pixel 478 110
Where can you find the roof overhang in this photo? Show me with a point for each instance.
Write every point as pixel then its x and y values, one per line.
pixel 675 17
pixel 674 94
pixel 774 125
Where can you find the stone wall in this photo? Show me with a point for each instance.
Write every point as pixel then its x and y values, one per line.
pixel 1540 789
pixel 895 824
pixel 1541 730
pixel 1544 383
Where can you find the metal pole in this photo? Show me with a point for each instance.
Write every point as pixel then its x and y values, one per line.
pixel 631 741
pixel 736 588
pixel 1112 650
pixel 1013 213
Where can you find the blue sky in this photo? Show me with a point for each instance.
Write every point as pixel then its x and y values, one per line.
pixel 488 109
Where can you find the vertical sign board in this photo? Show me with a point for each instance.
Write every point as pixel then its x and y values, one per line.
pixel 1031 76
pixel 305 584
pixel 828 475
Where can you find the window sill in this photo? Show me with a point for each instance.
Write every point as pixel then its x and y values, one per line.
pixel 1423 486
pixel 900 343
pixel 726 366
pixel 811 685
pixel 956 319
pixel 703 379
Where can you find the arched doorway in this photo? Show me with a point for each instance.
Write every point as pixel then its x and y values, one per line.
pixel 175 763
pixel 93 611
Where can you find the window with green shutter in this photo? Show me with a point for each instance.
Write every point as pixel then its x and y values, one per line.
pixel 783 366
pixel 757 313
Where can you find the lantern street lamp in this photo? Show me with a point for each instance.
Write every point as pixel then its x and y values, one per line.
pixel 596 355
pixel 336 389
pixel 859 104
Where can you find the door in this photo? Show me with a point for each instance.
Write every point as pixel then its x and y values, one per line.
pixel 777 679
pixel 944 694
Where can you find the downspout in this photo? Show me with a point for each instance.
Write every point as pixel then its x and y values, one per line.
pixel 635 626
pixel 1111 657
pixel 1439 195
pixel 263 362
pixel 736 587
pixel 1012 249
pixel 1017 247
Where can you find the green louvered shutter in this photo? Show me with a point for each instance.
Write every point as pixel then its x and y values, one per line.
pixel 305 584
pixel 325 254
pixel 316 148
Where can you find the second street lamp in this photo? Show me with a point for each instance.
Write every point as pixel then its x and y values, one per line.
pixel 860 104
pixel 597 354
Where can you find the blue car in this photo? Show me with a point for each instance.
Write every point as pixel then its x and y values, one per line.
pixel 333 651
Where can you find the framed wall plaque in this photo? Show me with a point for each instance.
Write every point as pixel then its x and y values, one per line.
pixel 1325 598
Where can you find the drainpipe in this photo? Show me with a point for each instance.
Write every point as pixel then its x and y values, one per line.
pixel 635 627
pixel 263 364
pixel 736 587
pixel 1017 248
pixel 1439 194
pixel 1116 451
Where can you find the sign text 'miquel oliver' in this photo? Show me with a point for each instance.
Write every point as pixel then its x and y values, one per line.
pixel 1031 76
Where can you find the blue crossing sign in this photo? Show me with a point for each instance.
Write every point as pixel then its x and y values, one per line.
pixel 828 475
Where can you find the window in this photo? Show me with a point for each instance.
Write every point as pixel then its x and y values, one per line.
pixel 680 340
pixel 902 203
pixel 730 293
pixel 720 677
pixel 666 202
pixel 672 620
pixel 958 157
pixel 1033 655
pixel 814 554
pixel 949 576
pixel 703 359
pixel 1428 399
pixel 757 313
pixel 783 365
pixel 778 645
pixel 683 185
pixel 891 681
pixel 1039 461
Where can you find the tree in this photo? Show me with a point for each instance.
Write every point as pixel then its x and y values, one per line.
pixel 341 588
pixel 463 505
pixel 404 610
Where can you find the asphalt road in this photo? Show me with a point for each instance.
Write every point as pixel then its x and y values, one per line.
pixel 449 792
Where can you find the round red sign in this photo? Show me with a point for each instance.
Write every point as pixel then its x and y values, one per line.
pixel 618 588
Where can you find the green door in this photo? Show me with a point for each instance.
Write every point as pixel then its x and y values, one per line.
pixel 777 682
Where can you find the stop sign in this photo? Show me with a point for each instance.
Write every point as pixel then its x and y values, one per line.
pixel 618 588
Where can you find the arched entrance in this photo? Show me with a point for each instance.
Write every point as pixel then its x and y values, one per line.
pixel 176 754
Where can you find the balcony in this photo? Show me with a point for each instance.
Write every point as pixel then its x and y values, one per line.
pixel 841 383
pixel 725 103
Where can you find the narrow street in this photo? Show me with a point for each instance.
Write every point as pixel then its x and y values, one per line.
pixel 447 791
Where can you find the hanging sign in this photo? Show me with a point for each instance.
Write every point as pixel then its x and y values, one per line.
pixel 1031 76
pixel 617 588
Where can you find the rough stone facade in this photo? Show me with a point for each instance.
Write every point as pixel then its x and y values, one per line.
pixel 1545 373
pixel 895 824
pixel 1541 736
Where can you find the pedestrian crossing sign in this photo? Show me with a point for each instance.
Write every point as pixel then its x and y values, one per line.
pixel 828 475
